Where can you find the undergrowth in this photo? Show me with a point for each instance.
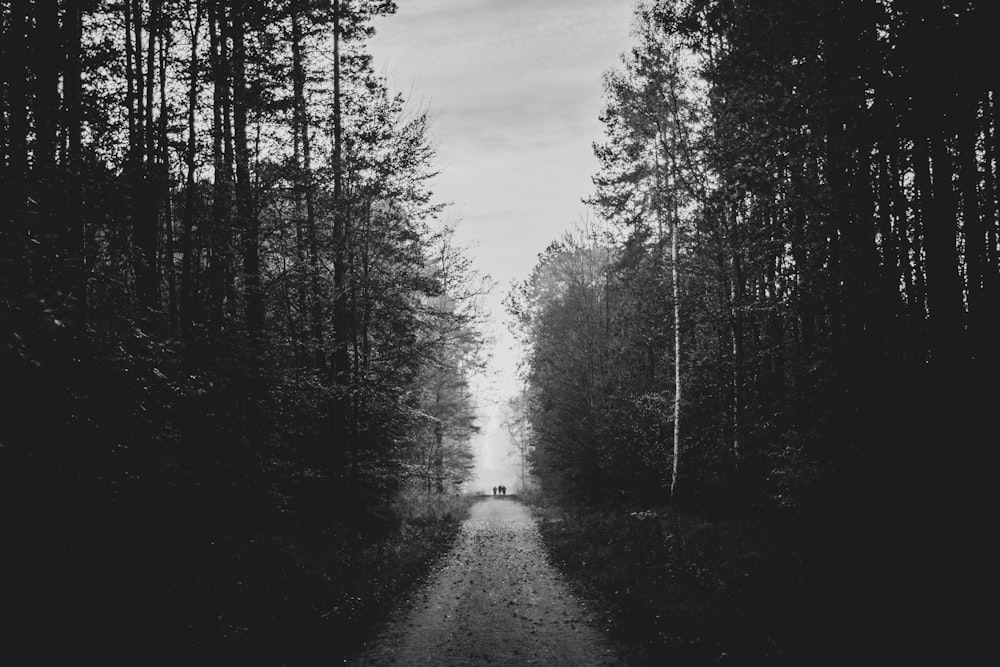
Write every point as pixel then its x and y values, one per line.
pixel 162 581
pixel 682 589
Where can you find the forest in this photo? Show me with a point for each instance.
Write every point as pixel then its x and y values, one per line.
pixel 233 330
pixel 776 338
pixel 237 336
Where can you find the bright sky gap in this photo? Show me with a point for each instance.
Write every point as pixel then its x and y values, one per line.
pixel 515 91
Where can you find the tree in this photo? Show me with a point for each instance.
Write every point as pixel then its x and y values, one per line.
pixel 561 312
pixel 649 174
pixel 517 423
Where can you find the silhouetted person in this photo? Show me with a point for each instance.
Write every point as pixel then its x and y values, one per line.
pixel 494 490
pixel 503 490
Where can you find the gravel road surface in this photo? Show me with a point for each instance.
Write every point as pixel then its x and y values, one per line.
pixel 493 599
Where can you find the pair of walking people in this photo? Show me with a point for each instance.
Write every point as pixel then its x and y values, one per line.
pixel 502 490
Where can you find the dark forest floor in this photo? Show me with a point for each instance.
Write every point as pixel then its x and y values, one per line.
pixel 695 590
pixel 181 578
pixel 166 575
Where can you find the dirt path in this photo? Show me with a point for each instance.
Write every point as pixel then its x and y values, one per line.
pixel 493 599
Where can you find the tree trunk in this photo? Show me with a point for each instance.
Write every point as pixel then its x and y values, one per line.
pixel 245 208
pixel 155 31
pixel 16 74
pixel 45 38
pixel 164 180
pixel 675 281
pixel 300 327
pixel 991 221
pixel 226 57
pixel 191 154
pixel 47 192
pixel 736 333
pixel 140 113
pixel 305 187
pixel 219 234
pixel 249 223
pixel 144 214
pixel 439 458
pixel 14 239
pixel 76 285
pixel 130 83
pixel 340 366
pixel 944 287
pixel 973 228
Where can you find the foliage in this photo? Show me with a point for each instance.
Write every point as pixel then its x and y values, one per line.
pixel 819 210
pixel 701 591
pixel 830 190
pixel 223 304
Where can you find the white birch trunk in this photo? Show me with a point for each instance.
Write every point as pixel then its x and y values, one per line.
pixel 675 276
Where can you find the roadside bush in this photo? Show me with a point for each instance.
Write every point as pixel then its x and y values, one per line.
pixel 684 589
pixel 322 593
pixel 414 505
pixel 207 577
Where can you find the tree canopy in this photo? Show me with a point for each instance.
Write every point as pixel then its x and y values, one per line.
pixel 830 308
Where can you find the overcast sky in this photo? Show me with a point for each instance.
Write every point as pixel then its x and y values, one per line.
pixel 514 90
